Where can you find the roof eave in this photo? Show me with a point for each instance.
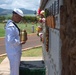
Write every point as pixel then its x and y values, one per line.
pixel 43 4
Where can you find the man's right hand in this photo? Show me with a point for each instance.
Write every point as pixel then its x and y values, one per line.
pixel 23 42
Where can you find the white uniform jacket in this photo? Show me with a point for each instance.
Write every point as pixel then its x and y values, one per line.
pixel 12 39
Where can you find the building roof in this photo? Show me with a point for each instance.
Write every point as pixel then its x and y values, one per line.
pixel 43 3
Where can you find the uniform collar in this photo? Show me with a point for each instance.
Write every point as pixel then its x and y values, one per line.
pixel 9 23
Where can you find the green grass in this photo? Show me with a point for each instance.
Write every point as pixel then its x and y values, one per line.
pixel 2 31
pixel 21 26
pixel 28 27
pixel 35 52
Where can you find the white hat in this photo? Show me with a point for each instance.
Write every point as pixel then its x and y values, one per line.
pixel 19 12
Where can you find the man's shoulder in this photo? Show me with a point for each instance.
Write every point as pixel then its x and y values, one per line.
pixel 10 23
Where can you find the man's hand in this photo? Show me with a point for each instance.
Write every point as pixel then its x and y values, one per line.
pixel 23 42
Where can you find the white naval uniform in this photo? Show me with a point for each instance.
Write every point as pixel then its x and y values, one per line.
pixel 13 47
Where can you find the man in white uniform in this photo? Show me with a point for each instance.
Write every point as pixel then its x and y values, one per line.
pixel 12 41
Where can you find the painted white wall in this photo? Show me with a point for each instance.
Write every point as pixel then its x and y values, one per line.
pixel 53 57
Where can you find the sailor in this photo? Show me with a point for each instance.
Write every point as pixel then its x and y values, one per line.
pixel 12 41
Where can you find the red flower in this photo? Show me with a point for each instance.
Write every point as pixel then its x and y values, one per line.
pixel 39 11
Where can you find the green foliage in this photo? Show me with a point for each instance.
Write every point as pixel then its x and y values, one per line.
pixel 25 18
pixel 46 12
pixel 2 18
pixel 30 18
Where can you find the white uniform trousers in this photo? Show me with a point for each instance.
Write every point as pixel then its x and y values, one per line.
pixel 14 60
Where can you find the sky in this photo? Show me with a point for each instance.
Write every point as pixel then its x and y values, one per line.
pixel 27 4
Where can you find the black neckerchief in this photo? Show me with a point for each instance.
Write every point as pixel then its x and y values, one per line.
pixel 17 27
